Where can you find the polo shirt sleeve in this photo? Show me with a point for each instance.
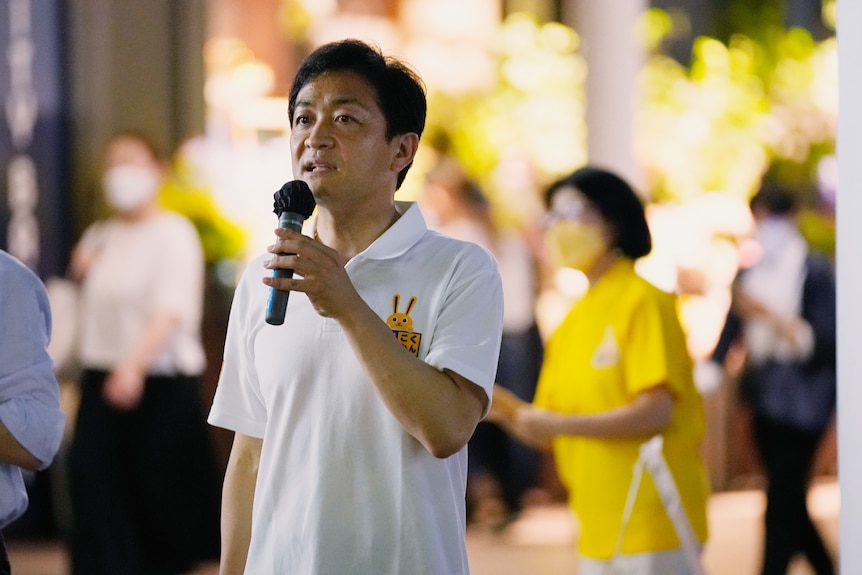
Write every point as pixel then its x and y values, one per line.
pixel 238 404
pixel 470 324
pixel 654 344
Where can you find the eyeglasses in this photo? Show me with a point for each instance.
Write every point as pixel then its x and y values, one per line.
pixel 571 212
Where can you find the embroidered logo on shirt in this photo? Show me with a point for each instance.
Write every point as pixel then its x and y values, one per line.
pixel 608 353
pixel 402 325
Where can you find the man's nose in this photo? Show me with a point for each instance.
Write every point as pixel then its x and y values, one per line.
pixel 319 136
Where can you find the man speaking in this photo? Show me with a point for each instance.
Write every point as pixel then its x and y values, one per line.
pixel 351 418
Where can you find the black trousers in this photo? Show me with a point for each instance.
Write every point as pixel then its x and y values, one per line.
pixel 144 485
pixel 491 450
pixel 5 568
pixel 787 455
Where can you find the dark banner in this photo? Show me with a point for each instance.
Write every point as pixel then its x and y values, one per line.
pixel 35 217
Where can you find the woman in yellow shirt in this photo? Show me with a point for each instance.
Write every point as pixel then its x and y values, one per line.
pixel 616 372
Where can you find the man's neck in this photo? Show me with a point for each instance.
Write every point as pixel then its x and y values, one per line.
pixel 351 233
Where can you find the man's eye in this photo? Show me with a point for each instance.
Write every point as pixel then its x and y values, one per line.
pixel 343 119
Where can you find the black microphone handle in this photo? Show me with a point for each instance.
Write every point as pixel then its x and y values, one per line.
pixel 277 305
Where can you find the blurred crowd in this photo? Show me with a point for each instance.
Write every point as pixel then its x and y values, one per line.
pixel 138 469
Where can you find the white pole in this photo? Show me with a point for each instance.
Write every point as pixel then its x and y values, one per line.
pixel 614 60
pixel 849 278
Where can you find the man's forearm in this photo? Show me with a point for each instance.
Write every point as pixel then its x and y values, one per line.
pixel 439 409
pixel 237 503
pixel 11 451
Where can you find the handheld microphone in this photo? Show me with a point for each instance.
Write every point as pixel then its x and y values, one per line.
pixel 294 202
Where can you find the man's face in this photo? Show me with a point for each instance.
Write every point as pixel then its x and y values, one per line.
pixel 338 140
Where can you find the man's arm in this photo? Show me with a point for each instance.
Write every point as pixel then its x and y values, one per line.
pixel 439 408
pixel 31 422
pixel 13 452
pixel 237 500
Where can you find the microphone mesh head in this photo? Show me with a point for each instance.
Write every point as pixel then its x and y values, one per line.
pixel 294 196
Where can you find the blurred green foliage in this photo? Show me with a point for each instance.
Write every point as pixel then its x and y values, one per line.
pixel 743 111
pixel 186 193
pixel 533 111
pixel 752 107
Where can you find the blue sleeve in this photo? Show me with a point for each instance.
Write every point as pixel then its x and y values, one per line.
pixel 29 394
pixel 819 309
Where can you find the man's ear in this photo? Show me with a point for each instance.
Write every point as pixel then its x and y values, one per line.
pixel 405 146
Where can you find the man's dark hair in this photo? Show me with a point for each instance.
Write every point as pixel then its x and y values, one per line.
pixel 774 199
pixel 618 204
pixel 400 91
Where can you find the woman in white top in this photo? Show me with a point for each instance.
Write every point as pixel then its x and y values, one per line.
pixel 143 479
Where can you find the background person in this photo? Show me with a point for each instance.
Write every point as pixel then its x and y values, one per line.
pixel 143 479
pixel 783 313
pixel 616 372
pixel 31 422
pixel 352 418
pixel 502 469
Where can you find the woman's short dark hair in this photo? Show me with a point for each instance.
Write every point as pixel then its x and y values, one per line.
pixel 616 201
pixel 400 90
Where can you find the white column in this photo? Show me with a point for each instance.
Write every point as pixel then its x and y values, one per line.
pixel 849 258
pixel 614 59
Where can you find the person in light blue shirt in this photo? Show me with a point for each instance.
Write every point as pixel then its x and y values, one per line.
pixel 31 422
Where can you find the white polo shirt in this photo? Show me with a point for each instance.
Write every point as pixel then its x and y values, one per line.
pixel 342 488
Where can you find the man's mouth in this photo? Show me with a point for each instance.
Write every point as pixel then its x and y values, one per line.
pixel 318 167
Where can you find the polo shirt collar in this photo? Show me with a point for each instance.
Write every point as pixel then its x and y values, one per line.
pixel 401 236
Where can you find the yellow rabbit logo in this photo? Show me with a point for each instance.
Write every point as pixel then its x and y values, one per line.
pixel 402 325
pixel 401 320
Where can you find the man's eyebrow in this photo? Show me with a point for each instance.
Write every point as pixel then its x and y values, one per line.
pixel 338 101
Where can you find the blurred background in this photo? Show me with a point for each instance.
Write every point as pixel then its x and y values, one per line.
pixel 695 101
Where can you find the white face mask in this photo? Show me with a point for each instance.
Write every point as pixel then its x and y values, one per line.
pixel 128 187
